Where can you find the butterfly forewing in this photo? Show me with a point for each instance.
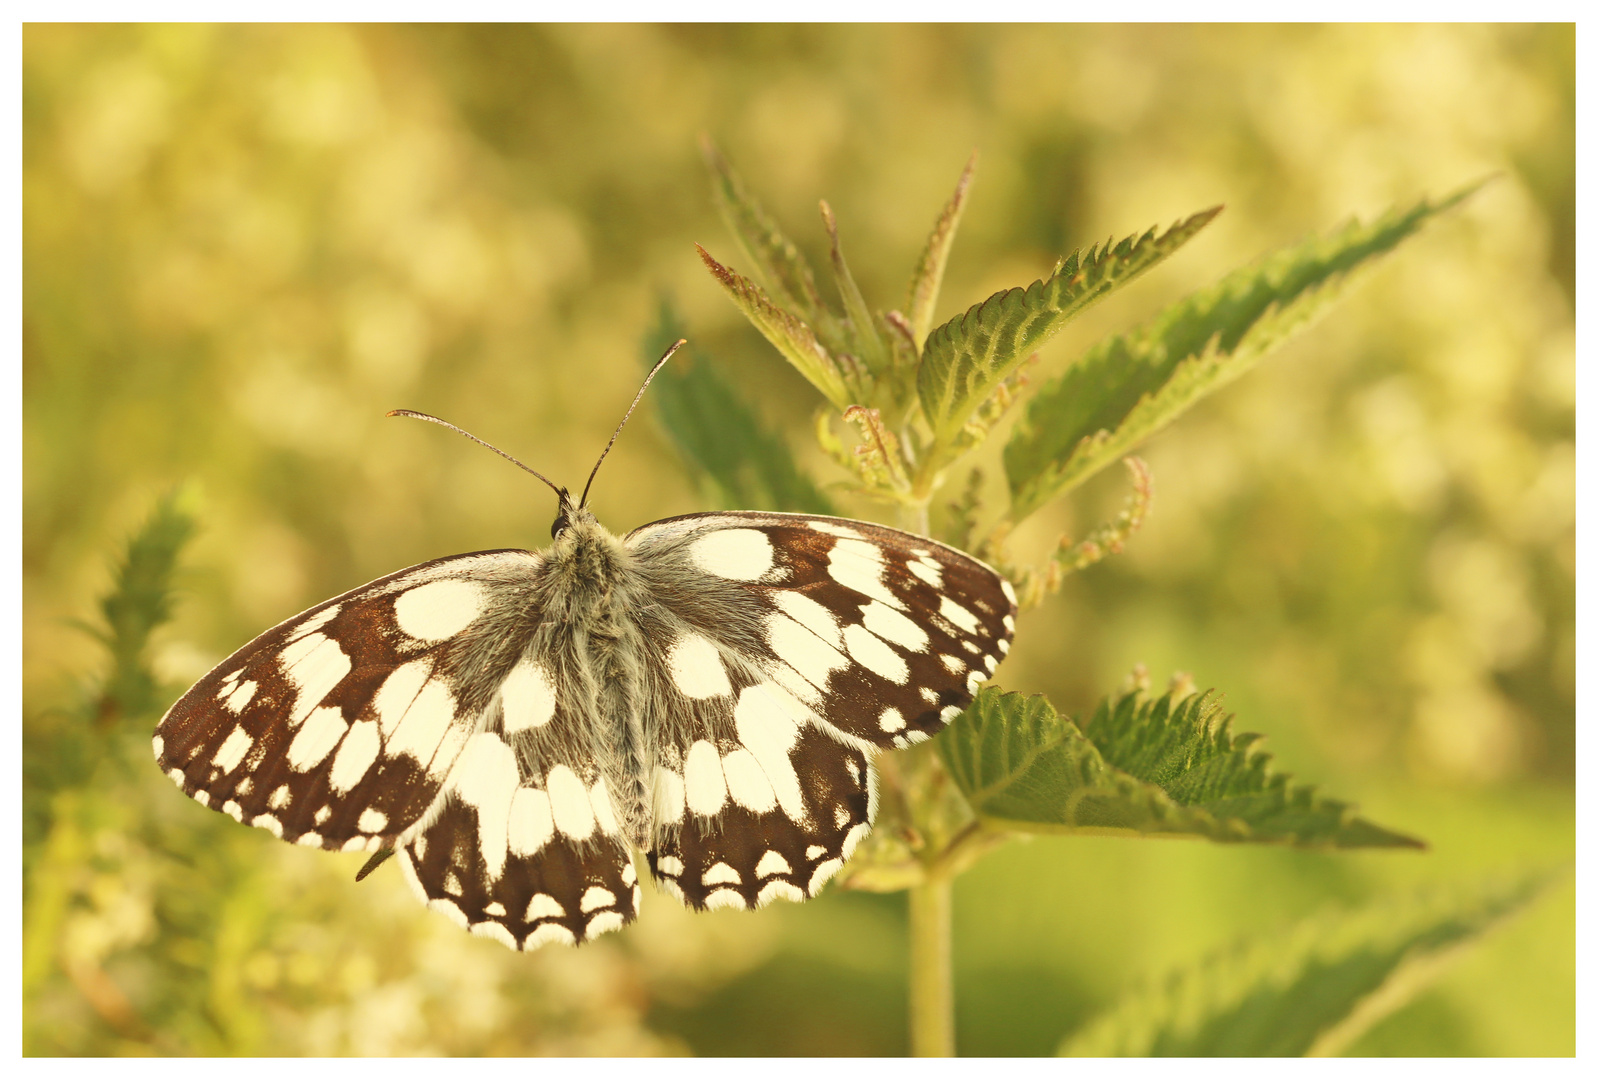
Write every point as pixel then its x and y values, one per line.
pixel 339 727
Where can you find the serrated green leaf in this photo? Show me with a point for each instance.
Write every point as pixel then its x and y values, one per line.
pixel 865 340
pixel 140 600
pixel 720 436
pixel 779 263
pixel 1311 990
pixel 790 334
pixel 1130 385
pixel 926 281
pixel 1146 766
pixel 967 357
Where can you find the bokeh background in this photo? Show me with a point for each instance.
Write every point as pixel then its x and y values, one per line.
pixel 242 245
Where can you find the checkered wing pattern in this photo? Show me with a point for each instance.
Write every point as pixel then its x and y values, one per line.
pixel 826 640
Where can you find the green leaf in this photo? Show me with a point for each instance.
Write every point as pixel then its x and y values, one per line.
pixel 720 436
pixel 1311 990
pixel 789 333
pixel 1142 766
pixel 968 356
pixel 778 261
pixel 926 281
pixel 1129 386
pixel 140 600
pixel 861 329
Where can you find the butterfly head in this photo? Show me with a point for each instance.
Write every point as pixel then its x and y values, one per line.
pixel 570 513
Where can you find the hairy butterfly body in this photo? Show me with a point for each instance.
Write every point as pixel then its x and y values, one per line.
pixel 708 689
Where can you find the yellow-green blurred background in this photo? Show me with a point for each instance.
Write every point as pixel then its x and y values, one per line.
pixel 242 245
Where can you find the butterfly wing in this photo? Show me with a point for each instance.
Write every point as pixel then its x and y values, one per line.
pixel 807 643
pixel 418 711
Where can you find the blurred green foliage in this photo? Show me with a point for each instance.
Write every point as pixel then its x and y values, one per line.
pixel 242 245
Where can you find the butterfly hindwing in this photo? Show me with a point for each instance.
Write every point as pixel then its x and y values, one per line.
pixel 339 727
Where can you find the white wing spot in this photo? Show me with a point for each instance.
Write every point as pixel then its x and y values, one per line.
pixel 815 851
pixel 629 876
pixel 852 839
pixel 245 786
pixel 949 713
pixel 876 655
pixel 234 811
pixel 704 783
pixel 452 883
pixel 974 680
pixel 735 554
pixel 953 664
pixel 765 721
pixel 823 874
pixel 279 799
pixel 927 570
pixel 779 890
pixel 840 815
pixel 834 529
pixel 958 615
pixel 309 839
pixel 322 731
pixel 747 783
pixel 1009 623
pixel 527 697
pixel 496 909
pixel 929 695
pixel 720 874
pixel 269 823
pixel 316 622
pixel 549 933
pixel 569 803
pixel 696 667
pixel 315 665
pixel 1004 647
pixel 494 931
pixel 597 897
pixel 1009 593
pixel 544 906
pixel 809 614
pixel 232 750
pixel 485 777
pixel 669 864
pixel 439 609
pixel 202 797
pixel 238 699
pixel 355 756
pixel 726 898
pixel 990 662
pixel 158 744
pixel 770 863
pixel 372 821
pixel 891 720
pixel 603 923
pixel 857 565
pixel 420 717
pixel 532 823
pixel 669 795
pixel 321 816
pixel 890 625
pixel 604 809
pixel 809 655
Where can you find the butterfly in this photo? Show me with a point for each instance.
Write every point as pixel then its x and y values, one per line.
pixel 707 689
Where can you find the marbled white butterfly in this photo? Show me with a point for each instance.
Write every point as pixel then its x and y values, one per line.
pixel 708 689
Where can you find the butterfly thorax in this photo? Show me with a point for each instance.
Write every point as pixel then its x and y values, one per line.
pixel 593 593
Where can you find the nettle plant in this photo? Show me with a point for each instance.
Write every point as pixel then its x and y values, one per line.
pixel 923 400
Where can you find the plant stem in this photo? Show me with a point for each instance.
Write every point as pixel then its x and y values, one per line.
pixel 931 968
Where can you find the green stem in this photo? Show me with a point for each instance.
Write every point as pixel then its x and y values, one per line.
pixel 931 968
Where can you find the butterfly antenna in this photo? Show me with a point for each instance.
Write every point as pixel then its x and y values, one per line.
pixel 680 342
pixel 461 431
